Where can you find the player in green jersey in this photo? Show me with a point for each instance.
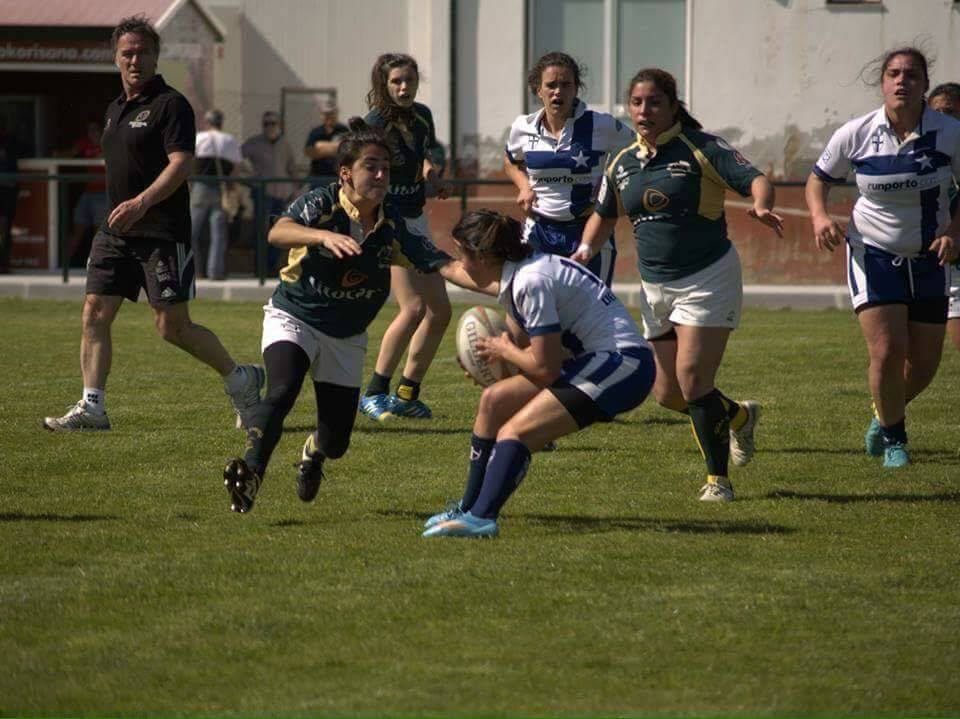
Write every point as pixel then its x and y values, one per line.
pixel 671 183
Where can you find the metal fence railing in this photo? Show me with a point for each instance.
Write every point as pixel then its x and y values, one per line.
pixel 462 190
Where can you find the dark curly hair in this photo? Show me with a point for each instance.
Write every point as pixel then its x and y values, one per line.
pixel 135 25
pixel 667 84
pixel 872 73
pixel 556 59
pixel 360 135
pixel 379 96
pixel 488 233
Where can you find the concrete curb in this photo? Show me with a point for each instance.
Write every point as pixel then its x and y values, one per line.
pixel 48 286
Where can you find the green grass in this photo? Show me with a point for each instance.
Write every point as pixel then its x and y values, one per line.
pixel 128 588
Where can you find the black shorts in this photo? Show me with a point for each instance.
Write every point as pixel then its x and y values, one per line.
pixel 123 265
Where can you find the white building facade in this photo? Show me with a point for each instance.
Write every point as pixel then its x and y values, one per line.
pixel 775 77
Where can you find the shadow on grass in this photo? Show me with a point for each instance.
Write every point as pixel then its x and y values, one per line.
pixel 48 517
pixel 586 524
pixel 288 523
pixel 854 498
pixel 851 451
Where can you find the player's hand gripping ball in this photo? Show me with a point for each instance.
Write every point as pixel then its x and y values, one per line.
pixel 475 323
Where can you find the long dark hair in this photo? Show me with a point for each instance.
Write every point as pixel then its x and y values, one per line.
pixel 556 59
pixel 667 84
pixel 950 90
pixel 379 96
pixel 873 72
pixel 489 234
pixel 360 135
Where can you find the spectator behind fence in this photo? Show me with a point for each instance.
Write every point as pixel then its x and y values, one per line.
pixel 322 144
pixel 218 153
pixel 270 155
pixel 91 207
pixel 8 196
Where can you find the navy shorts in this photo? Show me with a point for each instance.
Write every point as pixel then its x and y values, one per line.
pixel 597 386
pixel 876 277
pixel 563 238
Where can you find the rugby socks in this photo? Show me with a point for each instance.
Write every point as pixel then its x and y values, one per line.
pixel 235 380
pixel 378 384
pixel 509 461
pixel 735 413
pixel 94 400
pixel 408 390
pixel 480 450
pixel 894 434
pixel 711 427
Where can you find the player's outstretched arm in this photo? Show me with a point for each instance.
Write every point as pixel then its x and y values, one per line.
pixel 595 233
pixel 453 272
pixel 287 234
pixel 762 192
pixel 826 233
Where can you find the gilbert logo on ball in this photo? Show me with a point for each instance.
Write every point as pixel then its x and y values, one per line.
pixel 475 323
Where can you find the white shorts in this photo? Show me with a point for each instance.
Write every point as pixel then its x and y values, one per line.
pixel 953 313
pixel 712 297
pixel 334 360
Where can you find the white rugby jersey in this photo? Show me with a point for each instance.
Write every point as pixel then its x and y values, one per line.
pixel 564 173
pixel 549 293
pixel 904 201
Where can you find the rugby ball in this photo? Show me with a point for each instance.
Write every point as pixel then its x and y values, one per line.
pixel 475 323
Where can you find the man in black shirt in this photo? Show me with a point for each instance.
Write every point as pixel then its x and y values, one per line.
pixel 322 144
pixel 144 243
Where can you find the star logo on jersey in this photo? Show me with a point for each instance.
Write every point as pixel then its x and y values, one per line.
pixel 580 159
pixel 926 163
pixel 654 200
pixel 352 278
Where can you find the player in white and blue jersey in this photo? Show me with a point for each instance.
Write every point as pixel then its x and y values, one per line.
pixel 556 157
pixel 945 98
pixel 900 240
pixel 586 362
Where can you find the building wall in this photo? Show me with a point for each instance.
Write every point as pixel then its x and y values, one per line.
pixel 776 78
pixel 306 43
pixel 491 70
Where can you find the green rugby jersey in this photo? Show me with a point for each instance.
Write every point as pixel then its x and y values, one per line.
pixel 340 297
pixel 674 196
pixel 409 138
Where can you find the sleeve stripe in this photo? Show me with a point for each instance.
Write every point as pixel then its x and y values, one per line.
pixel 825 177
pixel 545 330
pixel 510 157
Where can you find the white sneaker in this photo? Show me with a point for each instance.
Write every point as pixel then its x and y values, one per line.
pixel 742 447
pixel 78 419
pixel 719 491
pixel 246 399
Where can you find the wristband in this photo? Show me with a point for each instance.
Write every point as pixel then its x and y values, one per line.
pixel 585 248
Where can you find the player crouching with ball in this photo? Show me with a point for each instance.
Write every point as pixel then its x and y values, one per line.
pixel 586 362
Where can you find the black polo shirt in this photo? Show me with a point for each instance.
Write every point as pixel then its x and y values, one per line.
pixel 326 167
pixel 138 135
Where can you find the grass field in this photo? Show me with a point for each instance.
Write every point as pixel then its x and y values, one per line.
pixel 829 588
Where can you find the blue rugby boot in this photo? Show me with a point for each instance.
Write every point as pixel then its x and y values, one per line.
pixel 895 456
pixel 377 407
pixel 873 439
pixel 466 525
pixel 412 408
pixel 452 511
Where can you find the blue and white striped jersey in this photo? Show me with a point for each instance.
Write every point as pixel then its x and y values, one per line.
pixel 565 173
pixel 549 293
pixel 904 201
